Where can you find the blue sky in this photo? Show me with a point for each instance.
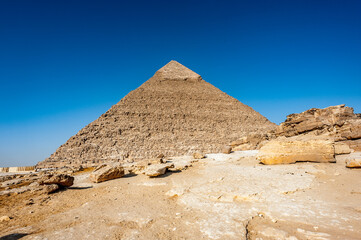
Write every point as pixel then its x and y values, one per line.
pixel 63 63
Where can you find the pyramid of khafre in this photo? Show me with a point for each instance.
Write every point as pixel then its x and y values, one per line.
pixel 175 112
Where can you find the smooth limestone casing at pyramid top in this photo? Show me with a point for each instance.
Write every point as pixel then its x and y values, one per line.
pixel 175 112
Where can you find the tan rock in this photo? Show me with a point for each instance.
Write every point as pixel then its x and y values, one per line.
pixel 342 148
pixel 198 155
pixel 161 156
pixel 5 219
pixel 155 170
pixel 285 151
pixel 180 165
pixel 59 179
pixel 354 162
pixel 251 142
pixel 107 172
pixel 227 150
pixel 317 120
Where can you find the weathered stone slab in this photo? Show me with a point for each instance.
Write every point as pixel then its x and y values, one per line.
pixel 59 179
pixel 107 172
pixel 156 169
pixel 290 151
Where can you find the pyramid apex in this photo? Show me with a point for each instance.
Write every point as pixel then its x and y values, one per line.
pixel 176 71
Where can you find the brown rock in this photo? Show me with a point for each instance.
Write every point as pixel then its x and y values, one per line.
pixel 59 179
pixel 227 150
pixel 285 151
pixel 172 113
pixel 107 172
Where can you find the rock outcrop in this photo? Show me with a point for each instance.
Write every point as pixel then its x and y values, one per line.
pixel 339 123
pixel 283 151
pixel 107 172
pixel 175 113
pixel 336 123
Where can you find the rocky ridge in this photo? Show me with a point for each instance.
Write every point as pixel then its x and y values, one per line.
pixel 338 124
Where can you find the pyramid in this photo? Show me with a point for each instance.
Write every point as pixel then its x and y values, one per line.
pixel 174 113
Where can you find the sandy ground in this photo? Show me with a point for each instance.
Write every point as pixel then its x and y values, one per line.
pixel 220 197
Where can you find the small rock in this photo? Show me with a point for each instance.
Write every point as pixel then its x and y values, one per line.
pixel 59 179
pixel 227 150
pixel 161 156
pixel 353 162
pixel 50 188
pixel 198 155
pixel 5 219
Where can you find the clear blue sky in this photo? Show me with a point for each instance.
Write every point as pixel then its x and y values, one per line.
pixel 63 63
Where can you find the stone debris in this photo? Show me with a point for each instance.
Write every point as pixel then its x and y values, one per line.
pixel 180 165
pixel 285 151
pixel 62 180
pixel 50 188
pixel 107 172
pixel 198 155
pixel 227 150
pixel 156 169
pixel 5 219
pixel 353 162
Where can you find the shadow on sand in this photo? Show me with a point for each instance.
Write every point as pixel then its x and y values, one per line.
pixel 14 236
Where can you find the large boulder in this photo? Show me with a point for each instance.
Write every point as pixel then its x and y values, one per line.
pixel 107 172
pixel 283 151
pixel 62 180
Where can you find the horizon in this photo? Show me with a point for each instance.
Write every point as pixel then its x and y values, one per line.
pixel 65 64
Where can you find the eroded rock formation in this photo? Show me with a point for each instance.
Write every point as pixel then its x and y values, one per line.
pixel 338 124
